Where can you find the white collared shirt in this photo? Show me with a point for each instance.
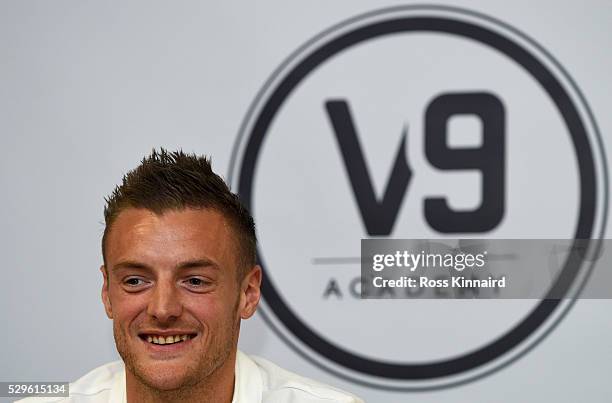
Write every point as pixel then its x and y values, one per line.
pixel 257 381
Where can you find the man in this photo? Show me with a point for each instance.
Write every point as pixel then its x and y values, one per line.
pixel 179 273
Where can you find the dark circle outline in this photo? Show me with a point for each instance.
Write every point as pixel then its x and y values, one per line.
pixel 535 318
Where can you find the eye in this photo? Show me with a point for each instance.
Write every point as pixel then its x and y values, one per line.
pixel 134 281
pixel 197 283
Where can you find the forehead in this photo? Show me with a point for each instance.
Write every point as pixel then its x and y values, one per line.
pixel 171 237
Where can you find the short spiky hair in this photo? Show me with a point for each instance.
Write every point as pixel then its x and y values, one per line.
pixel 174 181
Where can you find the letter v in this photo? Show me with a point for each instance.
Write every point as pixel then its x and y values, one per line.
pixel 378 216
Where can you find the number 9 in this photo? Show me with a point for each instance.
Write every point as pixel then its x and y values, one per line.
pixel 489 159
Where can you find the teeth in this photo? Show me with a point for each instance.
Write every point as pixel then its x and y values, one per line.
pixel 168 339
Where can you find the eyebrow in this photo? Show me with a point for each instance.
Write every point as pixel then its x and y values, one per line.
pixel 189 264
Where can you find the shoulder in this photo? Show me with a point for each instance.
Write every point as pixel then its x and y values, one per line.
pixel 280 385
pixel 98 385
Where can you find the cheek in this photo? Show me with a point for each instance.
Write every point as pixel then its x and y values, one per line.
pixel 205 310
pixel 211 312
pixel 127 307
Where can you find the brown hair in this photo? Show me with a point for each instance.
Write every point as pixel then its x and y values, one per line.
pixel 174 181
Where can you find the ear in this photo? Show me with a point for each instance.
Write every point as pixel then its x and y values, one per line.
pixel 250 292
pixel 105 298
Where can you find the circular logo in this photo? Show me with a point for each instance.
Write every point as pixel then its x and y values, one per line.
pixel 413 122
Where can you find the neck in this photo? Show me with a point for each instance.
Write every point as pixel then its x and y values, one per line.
pixel 218 387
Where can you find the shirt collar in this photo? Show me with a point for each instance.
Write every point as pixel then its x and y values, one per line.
pixel 247 381
pixel 118 392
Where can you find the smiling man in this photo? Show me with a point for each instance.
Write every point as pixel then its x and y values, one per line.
pixel 172 288
pixel 180 274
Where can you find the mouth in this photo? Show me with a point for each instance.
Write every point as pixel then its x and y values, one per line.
pixel 162 339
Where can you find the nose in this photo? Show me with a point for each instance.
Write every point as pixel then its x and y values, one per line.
pixel 165 305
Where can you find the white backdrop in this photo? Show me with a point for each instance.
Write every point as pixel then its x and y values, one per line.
pixel 88 88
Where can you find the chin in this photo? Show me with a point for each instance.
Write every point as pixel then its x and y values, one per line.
pixel 164 376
